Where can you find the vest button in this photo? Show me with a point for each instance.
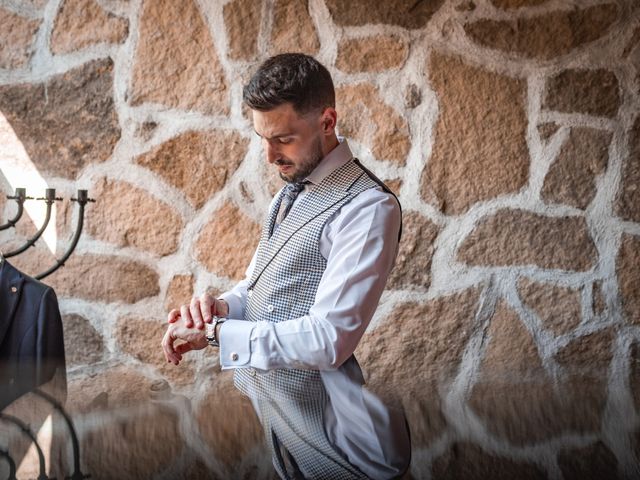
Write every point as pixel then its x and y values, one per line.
pixel 270 308
pixel 250 293
pixel 234 356
pixel 252 372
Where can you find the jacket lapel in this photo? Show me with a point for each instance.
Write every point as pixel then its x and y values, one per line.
pixel 11 281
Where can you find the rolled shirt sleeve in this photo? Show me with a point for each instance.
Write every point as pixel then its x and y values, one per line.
pixel 360 244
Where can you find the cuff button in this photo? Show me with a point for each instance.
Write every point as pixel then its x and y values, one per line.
pixel 234 356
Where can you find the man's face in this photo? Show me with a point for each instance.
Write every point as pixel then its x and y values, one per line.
pixel 292 142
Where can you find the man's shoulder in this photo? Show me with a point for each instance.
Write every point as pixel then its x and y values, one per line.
pixel 375 196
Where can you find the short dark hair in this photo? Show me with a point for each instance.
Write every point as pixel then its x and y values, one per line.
pixel 293 78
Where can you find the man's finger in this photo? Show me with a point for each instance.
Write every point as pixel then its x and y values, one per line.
pixel 186 316
pixel 194 309
pixel 206 302
pixel 174 315
pixel 183 348
pixel 167 347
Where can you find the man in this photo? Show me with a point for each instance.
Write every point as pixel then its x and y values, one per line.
pixel 290 328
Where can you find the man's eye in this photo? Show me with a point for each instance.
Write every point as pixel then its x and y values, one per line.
pixel 285 140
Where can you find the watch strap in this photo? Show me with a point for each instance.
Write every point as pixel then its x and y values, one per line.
pixel 211 331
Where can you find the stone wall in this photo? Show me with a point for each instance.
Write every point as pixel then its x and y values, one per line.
pixel 510 129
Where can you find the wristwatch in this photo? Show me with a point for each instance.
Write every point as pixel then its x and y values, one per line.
pixel 211 331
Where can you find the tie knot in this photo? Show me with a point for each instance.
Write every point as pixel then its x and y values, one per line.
pixel 297 186
pixel 293 189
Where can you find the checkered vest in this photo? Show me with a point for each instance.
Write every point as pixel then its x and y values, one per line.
pixel 289 266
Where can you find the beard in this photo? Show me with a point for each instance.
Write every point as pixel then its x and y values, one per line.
pixel 306 165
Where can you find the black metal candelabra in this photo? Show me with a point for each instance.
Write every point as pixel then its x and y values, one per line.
pixel 50 198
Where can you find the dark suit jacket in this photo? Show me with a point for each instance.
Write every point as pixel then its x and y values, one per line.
pixel 31 340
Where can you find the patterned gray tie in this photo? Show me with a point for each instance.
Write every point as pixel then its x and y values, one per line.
pixel 291 191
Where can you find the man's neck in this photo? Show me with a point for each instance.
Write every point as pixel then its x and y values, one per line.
pixel 330 145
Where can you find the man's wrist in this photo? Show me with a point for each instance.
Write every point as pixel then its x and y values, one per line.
pixel 221 308
pixel 212 331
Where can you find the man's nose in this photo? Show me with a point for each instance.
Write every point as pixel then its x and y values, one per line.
pixel 271 152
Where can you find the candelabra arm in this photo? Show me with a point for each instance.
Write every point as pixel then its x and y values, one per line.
pixel 27 431
pixel 12 464
pixel 77 474
pixel 19 197
pixel 82 201
pixel 50 199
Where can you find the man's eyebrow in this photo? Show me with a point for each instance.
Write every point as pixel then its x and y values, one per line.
pixel 277 135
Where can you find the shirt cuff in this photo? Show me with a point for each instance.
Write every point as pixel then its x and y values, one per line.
pixel 236 309
pixel 235 343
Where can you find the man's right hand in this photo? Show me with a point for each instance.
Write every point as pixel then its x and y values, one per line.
pixel 200 311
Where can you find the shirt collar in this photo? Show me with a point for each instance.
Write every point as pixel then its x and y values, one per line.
pixel 332 161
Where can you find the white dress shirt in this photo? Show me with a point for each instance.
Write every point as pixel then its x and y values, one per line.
pixel 360 243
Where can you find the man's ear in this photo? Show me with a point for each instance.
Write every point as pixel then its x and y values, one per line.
pixel 329 120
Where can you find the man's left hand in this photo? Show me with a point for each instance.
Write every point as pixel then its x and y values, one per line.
pixel 195 340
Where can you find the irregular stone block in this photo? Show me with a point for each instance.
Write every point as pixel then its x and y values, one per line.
pixel 404 13
pixel 226 244
pixel 546 36
pixel 480 149
pixel 146 130
pixel 371 54
pixel 628 271
pixel 370 121
pixel 174 69
pixel 412 96
pixel 198 163
pixel 592 92
pixel 111 388
pixel 130 217
pixel 83 344
pixel 594 462
pixel 413 263
pixel 468 461
pixel 599 302
pixel 558 307
pixel 293 36
pixel 242 22
pixel 68 122
pixel 572 176
pixel 81 23
pixel 518 237
pixel 17 37
pixel 633 43
pixel 547 130
pixel 627 204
